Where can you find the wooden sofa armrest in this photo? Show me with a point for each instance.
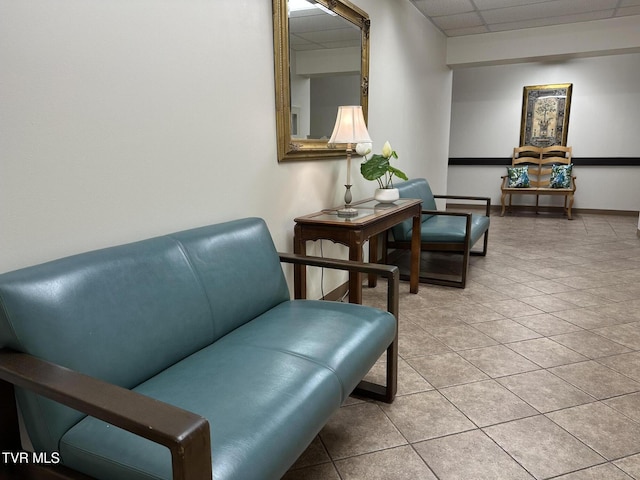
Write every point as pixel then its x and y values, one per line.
pixel 486 200
pixel 443 212
pixel 184 433
pixel 390 272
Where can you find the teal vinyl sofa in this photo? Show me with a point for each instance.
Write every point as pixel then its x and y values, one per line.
pixel 442 231
pixel 180 356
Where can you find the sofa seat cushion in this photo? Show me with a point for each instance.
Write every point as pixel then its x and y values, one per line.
pixel 343 337
pixel 451 229
pixel 264 407
pixel 281 376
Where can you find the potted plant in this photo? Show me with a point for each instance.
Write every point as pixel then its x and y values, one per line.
pixel 379 168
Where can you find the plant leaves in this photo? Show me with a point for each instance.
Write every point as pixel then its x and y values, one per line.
pixel 397 173
pixel 375 167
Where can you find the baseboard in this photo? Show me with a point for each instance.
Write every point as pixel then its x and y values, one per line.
pixel 549 209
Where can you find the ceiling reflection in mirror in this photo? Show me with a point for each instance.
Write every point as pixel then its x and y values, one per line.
pixel 322 58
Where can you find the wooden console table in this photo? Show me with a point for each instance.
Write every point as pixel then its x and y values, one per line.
pixel 373 219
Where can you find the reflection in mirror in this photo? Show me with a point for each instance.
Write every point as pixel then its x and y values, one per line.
pixel 321 62
pixel 324 70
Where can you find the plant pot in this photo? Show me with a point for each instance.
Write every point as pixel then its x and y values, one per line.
pixel 386 195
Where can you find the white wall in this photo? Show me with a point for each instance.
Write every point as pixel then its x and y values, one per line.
pixel 410 90
pixel 604 119
pixel 124 119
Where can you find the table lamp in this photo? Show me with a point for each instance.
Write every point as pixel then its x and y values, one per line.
pixel 350 129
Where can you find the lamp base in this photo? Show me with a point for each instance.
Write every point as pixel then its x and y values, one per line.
pixel 347 212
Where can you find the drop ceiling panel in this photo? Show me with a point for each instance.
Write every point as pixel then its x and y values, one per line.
pixel 444 7
pixel 312 23
pixel 460 17
pixel 544 10
pixel 543 22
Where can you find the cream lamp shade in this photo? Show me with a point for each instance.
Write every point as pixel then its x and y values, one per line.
pixel 350 129
pixel 350 126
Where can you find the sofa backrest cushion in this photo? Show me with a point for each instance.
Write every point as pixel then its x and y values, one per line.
pixel 414 188
pixel 125 313
pixel 239 268
pixel 120 314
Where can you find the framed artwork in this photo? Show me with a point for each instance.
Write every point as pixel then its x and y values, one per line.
pixel 545 115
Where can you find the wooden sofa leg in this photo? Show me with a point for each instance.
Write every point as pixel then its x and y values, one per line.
pixel 392 371
pixel 467 253
pixel 465 266
pixel 502 199
pixel 10 440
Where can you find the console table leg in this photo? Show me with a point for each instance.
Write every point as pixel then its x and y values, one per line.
pixel 355 279
pixel 299 271
pixel 373 258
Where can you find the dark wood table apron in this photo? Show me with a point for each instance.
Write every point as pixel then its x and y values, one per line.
pixel 372 220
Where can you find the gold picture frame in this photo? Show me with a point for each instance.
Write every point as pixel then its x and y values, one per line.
pixel 292 147
pixel 545 114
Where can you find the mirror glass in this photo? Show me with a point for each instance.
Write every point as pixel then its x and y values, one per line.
pixel 321 62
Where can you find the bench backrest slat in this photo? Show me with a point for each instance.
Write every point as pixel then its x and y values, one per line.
pixel 540 161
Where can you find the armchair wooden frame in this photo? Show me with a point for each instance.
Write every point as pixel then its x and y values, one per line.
pixel 464 248
pixel 186 434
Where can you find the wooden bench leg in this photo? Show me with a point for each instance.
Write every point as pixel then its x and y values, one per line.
pixel 570 206
pixel 502 199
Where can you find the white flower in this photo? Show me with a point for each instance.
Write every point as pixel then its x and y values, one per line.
pixel 363 148
pixel 387 150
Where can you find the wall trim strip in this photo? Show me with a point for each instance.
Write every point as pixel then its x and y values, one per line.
pixel 587 161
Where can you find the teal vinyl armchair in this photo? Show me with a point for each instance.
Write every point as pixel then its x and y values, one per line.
pixel 441 231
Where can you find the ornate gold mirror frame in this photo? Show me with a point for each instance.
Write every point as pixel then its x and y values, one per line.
pixel 290 148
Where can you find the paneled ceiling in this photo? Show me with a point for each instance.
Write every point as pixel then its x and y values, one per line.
pixel 468 17
pixel 316 29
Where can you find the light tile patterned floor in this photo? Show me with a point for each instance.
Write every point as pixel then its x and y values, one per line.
pixel 532 371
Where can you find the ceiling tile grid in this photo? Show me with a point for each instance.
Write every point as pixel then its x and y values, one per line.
pixel 468 17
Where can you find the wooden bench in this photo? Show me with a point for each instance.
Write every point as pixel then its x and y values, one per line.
pixel 543 166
